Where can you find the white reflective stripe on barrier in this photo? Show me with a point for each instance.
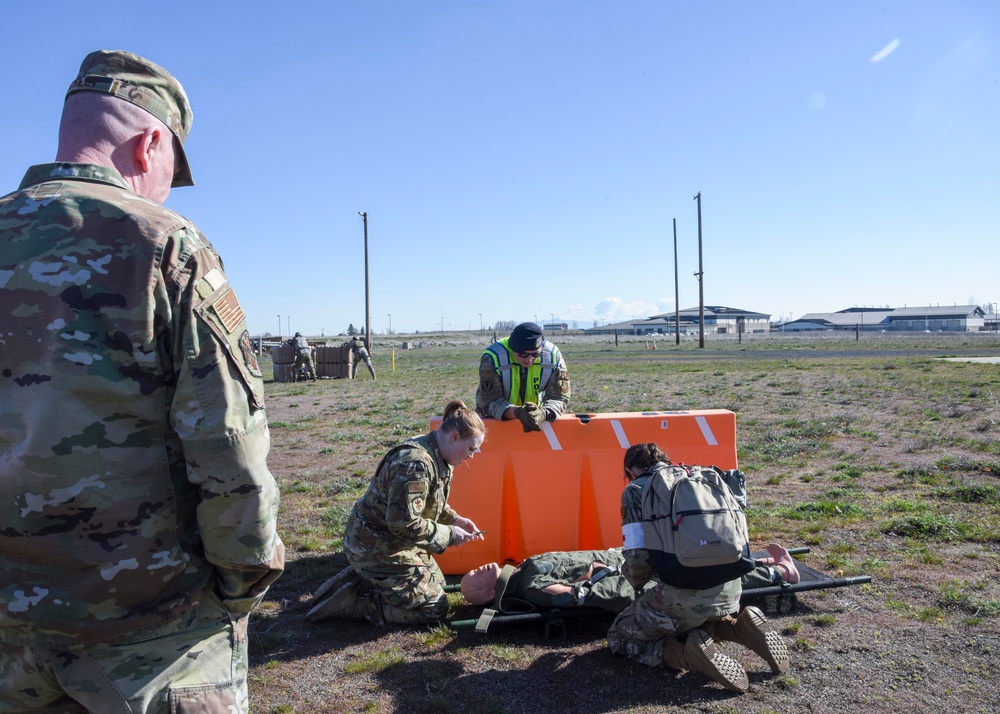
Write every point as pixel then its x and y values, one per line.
pixel 616 425
pixel 550 434
pixel 706 431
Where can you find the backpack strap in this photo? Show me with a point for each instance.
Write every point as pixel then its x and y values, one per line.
pixel 505 573
pixel 582 589
pixel 483 623
pixel 604 572
pixel 506 606
pixel 509 605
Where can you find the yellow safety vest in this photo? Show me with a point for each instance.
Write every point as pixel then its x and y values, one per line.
pixel 510 371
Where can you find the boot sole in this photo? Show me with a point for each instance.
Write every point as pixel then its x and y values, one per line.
pixel 332 585
pixel 339 602
pixel 722 668
pixel 774 650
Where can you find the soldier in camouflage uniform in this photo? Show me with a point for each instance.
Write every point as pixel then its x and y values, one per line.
pixel 395 527
pixel 303 356
pixel 523 377
pixel 137 513
pixel 574 578
pixel 674 627
pixel 360 355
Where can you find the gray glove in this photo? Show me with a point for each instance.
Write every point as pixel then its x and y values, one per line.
pixel 550 413
pixel 531 416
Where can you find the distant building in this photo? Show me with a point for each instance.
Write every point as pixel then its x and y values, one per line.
pixel 957 318
pixel 555 326
pixel 719 320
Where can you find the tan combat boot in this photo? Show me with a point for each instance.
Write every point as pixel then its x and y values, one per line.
pixel 366 605
pixel 700 654
pixel 332 595
pixel 347 575
pixel 350 602
pixel 748 630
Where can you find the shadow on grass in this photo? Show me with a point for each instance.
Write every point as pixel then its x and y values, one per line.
pixel 594 681
pixel 278 630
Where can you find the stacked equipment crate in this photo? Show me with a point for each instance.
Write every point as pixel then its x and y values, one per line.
pixel 330 361
pixel 284 362
pixel 334 361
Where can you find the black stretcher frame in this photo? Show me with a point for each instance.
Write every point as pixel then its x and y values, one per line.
pixel 809 579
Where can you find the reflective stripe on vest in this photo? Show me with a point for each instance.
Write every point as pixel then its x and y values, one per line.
pixel 510 371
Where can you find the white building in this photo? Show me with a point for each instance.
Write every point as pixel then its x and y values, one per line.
pixel 957 318
pixel 719 320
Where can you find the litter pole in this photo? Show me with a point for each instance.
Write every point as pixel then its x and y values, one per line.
pixel 799 587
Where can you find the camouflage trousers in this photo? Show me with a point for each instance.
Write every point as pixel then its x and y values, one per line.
pixel 202 669
pixel 304 360
pixel 368 363
pixel 408 592
pixel 650 625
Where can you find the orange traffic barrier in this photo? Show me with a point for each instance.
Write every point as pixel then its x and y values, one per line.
pixel 560 489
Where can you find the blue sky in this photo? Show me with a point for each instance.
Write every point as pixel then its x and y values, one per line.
pixel 523 160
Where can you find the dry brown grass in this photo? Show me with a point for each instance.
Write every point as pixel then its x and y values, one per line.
pixel 881 458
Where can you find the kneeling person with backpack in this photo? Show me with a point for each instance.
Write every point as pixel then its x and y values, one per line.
pixel 685 530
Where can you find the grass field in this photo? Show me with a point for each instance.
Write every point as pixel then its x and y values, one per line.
pixel 880 456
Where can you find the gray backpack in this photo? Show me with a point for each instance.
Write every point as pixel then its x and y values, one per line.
pixel 694 528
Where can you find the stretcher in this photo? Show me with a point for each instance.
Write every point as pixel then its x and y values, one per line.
pixel 554 618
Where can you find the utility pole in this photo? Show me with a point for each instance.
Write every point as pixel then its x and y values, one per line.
pixel 677 294
pixel 701 282
pixel 368 312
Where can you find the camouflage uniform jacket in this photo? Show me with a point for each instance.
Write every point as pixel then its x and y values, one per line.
pixel 358 346
pixel 638 567
pixel 133 477
pixel 612 592
pixel 493 397
pixel 405 508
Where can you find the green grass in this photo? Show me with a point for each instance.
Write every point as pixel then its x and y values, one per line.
pixel 375 662
pixel 885 464
pixel 932 527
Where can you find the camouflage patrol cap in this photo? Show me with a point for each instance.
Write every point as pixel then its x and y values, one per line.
pixel 145 84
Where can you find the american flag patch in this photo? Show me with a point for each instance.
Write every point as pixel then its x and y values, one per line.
pixel 227 307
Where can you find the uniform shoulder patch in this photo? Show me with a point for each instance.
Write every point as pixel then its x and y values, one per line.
pixel 249 356
pixel 227 307
pixel 416 487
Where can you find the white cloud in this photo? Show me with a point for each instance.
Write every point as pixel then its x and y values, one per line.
pixel 885 51
pixel 616 309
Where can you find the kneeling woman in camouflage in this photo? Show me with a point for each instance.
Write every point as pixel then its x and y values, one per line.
pixel 401 520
